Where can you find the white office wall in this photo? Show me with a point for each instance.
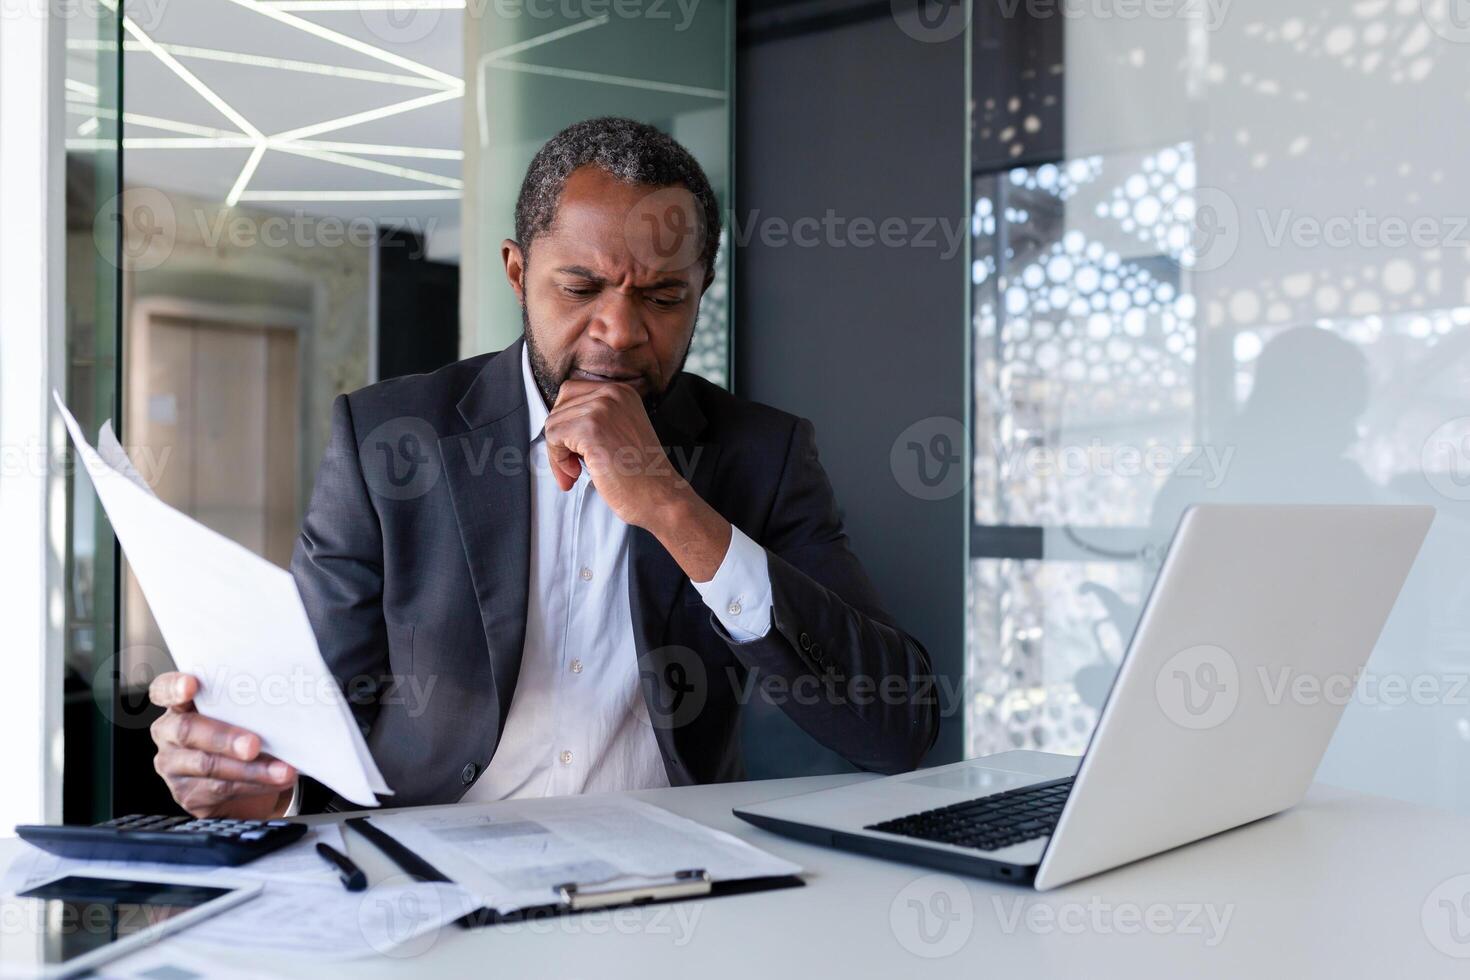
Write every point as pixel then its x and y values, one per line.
pixel 32 271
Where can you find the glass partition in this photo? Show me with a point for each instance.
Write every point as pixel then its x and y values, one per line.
pixel 538 68
pixel 92 282
pixel 1235 271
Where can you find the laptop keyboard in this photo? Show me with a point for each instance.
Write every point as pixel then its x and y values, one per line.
pixel 990 822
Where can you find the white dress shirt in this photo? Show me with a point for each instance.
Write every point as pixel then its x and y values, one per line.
pixel 573 725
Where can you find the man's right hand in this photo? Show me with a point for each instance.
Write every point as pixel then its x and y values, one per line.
pixel 211 768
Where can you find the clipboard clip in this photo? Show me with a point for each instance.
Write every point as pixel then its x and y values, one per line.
pixel 681 884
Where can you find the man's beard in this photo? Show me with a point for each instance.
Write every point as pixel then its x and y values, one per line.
pixel 549 384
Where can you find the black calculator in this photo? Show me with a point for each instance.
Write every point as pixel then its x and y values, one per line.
pixel 168 840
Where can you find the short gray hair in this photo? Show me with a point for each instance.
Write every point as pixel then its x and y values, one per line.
pixel 630 151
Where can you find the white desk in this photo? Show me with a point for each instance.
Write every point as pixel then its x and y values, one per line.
pixel 1342 886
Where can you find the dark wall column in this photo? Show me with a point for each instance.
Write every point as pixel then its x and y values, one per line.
pixel 851 126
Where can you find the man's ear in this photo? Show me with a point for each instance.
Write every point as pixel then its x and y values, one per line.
pixel 515 267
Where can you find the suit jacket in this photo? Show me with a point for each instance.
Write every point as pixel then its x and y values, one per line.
pixel 413 561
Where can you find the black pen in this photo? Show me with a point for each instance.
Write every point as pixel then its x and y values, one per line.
pixel 352 877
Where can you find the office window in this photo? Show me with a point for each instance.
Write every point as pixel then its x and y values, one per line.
pixel 1237 274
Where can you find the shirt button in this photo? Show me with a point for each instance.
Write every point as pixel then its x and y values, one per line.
pixel 586 574
pixel 576 666
pixel 566 758
pixel 733 608
pixel 467 774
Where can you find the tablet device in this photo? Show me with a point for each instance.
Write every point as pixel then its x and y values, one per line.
pixel 72 923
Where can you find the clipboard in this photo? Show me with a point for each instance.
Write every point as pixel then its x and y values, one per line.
pixel 571 898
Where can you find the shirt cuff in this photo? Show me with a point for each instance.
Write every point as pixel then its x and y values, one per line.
pixel 740 593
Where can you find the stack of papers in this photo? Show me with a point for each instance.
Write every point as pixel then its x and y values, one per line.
pixel 236 622
pixel 513 854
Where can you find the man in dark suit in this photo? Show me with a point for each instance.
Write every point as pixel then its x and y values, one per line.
pixel 563 567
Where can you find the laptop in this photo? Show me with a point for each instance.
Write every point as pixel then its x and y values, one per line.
pixel 1252 640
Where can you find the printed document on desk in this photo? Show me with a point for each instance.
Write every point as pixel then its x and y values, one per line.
pixel 512 854
pixel 236 622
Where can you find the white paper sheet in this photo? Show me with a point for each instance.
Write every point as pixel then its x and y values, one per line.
pixel 236 622
pixel 511 854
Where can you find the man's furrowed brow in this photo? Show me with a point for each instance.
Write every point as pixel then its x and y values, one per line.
pixel 582 272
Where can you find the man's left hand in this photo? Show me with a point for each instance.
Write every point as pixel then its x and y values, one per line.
pixel 604 427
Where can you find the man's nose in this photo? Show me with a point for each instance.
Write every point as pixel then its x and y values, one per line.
pixel 618 322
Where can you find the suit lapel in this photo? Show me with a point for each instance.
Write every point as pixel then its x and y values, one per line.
pixel 488 473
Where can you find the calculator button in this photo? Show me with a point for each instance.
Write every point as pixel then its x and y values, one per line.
pixel 253 835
